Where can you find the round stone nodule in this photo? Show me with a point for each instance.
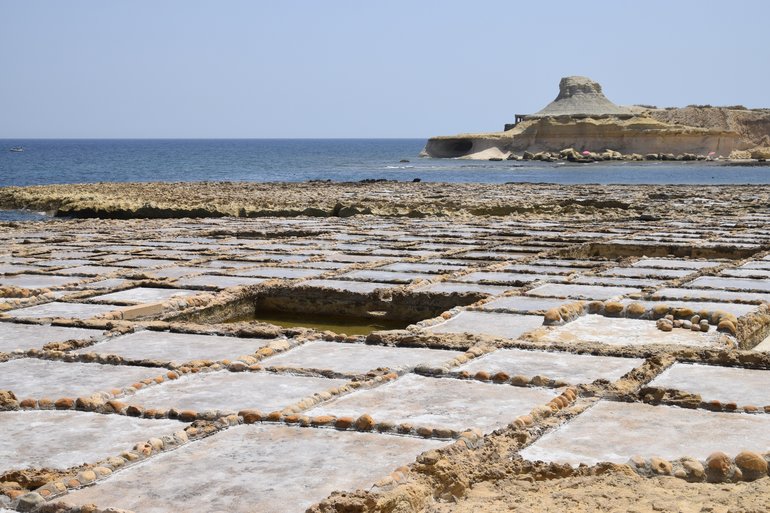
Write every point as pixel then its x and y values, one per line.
pixel 322 420
pixel 752 465
pixel 250 416
pixel 726 326
pixel 520 380
pixel 424 432
pixel 635 310
pixel 65 403
pixel 500 377
pixel 683 312
pixel 364 423
pixel 187 415
pixel 694 469
pixel 718 466
pixel 344 423
pixel 659 311
pixel 660 466
pixel 595 307
pixel 552 316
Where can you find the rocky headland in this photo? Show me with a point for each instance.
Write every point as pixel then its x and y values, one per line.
pixel 582 125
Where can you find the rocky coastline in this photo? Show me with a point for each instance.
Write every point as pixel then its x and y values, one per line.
pixel 582 119
pixel 386 199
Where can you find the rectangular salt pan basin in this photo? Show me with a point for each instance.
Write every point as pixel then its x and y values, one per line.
pixel 547 269
pixel 63 310
pixel 505 278
pixel 762 264
pixel 725 384
pixel 615 281
pixel 451 288
pixel 639 272
pixel 361 287
pixel 746 273
pixel 91 270
pixel 422 267
pixel 36 281
pixel 713 282
pixel 218 282
pixel 386 276
pixel 524 304
pixel 279 272
pixel 175 347
pixel 665 263
pixel 142 295
pixel 11 268
pixel 357 358
pixel 178 272
pixel 625 332
pixel 230 264
pixel 15 336
pixel 439 402
pixel 109 283
pixel 576 264
pixel 581 291
pixel 61 262
pixel 30 377
pixel 736 309
pixel 615 432
pixel 341 257
pixel 265 468
pixel 568 367
pixel 233 391
pixel 489 323
pixel 63 439
pixel 147 262
pixel 707 294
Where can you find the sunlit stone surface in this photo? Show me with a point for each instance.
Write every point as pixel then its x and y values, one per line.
pixel 439 402
pixel 266 468
pixel 614 431
pixel 62 439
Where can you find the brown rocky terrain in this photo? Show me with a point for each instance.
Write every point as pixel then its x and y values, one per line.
pixel 614 491
pixel 398 199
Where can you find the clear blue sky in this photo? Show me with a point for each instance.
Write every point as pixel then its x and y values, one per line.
pixel 396 68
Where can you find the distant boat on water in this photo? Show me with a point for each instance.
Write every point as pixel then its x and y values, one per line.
pixel 17 149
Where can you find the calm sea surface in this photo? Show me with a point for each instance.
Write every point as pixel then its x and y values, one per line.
pixel 46 161
pixel 296 160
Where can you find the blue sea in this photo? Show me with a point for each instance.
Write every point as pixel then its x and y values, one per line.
pixel 46 161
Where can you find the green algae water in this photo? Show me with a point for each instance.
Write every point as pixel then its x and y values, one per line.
pixel 334 323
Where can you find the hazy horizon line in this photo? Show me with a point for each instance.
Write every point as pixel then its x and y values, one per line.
pixel 210 138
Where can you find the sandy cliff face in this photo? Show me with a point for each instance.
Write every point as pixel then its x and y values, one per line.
pixel 638 134
pixel 752 125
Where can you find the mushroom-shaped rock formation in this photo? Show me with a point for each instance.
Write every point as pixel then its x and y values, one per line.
pixel 581 96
